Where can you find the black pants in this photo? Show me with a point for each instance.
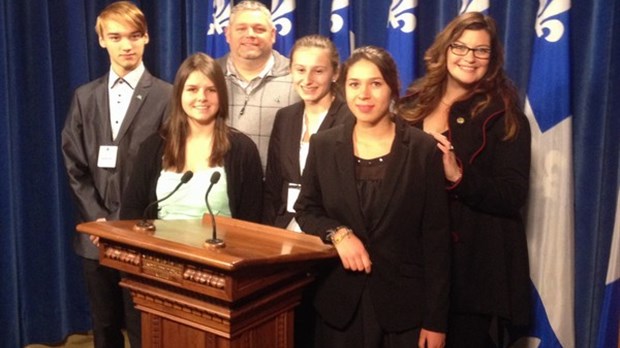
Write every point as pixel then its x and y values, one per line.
pixel 469 331
pixel 364 331
pixel 110 307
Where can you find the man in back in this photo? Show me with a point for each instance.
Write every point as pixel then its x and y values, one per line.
pixel 107 121
pixel 258 78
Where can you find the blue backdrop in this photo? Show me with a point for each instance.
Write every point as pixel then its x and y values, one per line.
pixel 48 48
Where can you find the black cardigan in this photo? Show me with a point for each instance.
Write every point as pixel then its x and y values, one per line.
pixel 244 175
pixel 490 268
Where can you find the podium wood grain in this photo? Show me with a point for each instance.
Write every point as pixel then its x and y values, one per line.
pixel 191 295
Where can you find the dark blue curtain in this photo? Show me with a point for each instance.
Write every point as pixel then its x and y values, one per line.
pixel 48 48
pixel 596 130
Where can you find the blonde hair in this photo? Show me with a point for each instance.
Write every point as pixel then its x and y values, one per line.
pixel 319 41
pixel 123 11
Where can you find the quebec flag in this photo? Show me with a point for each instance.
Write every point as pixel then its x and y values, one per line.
pixel 609 328
pixel 550 227
pixel 401 39
pixel 283 14
pixel 341 34
pixel 474 6
pixel 218 16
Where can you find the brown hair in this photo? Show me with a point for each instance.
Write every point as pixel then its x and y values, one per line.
pixel 429 89
pixel 319 41
pixel 123 11
pixel 379 57
pixel 175 130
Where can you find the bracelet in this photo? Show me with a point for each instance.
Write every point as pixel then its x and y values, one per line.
pixel 336 237
pixel 332 231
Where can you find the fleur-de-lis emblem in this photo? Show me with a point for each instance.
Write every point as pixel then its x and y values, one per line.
pixel 554 27
pixel 401 15
pixel 221 15
pixel 474 6
pixel 336 18
pixel 279 11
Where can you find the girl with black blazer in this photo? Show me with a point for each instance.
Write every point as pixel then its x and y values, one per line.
pixel 314 69
pixel 371 188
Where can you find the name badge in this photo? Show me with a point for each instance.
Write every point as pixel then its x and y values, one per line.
pixel 291 198
pixel 107 156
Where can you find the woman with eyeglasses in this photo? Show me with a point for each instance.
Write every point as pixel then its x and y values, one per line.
pixel 468 104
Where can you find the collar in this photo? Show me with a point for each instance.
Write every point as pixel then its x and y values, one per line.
pixel 232 71
pixel 132 78
pixel 463 108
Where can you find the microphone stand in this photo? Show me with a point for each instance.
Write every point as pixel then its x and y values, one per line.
pixel 214 242
pixel 145 225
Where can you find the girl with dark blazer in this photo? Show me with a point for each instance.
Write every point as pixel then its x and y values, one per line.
pixel 314 69
pixel 468 104
pixel 374 188
pixel 196 138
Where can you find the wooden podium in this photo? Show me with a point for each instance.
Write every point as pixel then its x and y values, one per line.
pixel 190 295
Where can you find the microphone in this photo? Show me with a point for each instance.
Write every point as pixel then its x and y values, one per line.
pixel 146 225
pixel 214 241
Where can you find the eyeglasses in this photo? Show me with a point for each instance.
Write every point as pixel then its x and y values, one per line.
pixel 462 50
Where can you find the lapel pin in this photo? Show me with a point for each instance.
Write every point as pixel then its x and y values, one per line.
pixel 139 96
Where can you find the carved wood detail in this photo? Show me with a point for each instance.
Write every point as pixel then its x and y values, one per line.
pixel 179 304
pixel 239 296
pixel 156 331
pixel 281 327
pixel 204 277
pixel 123 255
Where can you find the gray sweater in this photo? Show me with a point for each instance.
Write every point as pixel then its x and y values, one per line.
pixel 253 110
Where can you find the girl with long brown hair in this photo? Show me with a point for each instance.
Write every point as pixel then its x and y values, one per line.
pixel 196 138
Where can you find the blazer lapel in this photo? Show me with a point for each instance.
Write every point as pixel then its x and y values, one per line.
pixel 346 171
pixel 395 165
pixel 330 118
pixel 103 106
pixel 291 153
pixel 139 95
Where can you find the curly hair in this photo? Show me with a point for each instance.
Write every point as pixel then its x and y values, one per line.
pixel 428 90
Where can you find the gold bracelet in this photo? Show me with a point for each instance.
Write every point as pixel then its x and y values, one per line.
pixel 339 237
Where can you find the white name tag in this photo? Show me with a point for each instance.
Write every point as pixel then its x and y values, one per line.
pixel 107 156
pixel 291 198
